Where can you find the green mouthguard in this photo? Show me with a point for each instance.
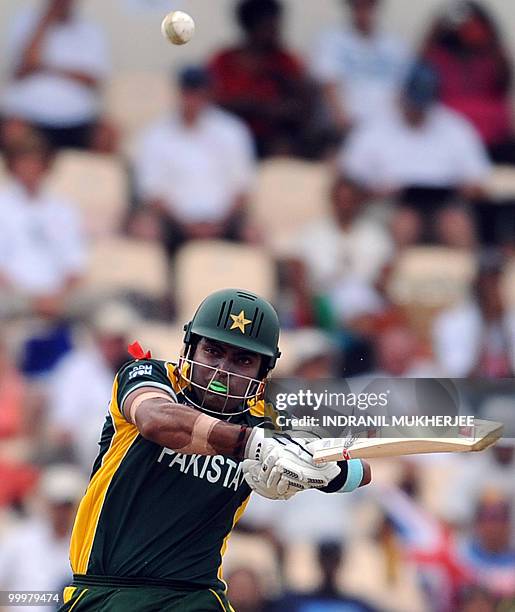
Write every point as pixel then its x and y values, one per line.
pixel 217 386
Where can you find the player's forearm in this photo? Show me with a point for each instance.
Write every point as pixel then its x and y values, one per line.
pixel 189 431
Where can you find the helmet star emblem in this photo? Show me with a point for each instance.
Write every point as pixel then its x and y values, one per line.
pixel 239 321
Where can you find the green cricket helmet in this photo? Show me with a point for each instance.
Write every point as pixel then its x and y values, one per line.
pixel 238 318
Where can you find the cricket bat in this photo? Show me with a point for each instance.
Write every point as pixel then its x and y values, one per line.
pixel 485 434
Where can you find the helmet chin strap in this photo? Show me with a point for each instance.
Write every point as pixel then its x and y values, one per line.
pixel 214 387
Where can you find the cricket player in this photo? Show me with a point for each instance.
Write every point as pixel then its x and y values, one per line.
pixel 182 448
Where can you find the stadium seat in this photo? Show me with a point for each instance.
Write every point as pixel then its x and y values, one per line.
pixel 288 357
pixel 289 194
pixel 134 99
pixel 120 266
pixel 501 183
pixel 98 184
pixel 433 276
pixel 206 266
pixel 428 279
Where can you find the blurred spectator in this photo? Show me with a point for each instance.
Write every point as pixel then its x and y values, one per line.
pixel 246 592
pixel 494 468
pixel 398 355
pixel 328 597
pixel 344 252
pixel 42 253
pixel 194 169
pixel 34 555
pixel 487 553
pixel 59 62
pixel 425 154
pixel 474 599
pixel 477 337
pixel 426 542
pixel 17 479
pixel 262 82
pixel 419 144
pixel 293 523
pixel 360 66
pixel 447 561
pixel 465 47
pixel 73 397
pixel 429 215
pixel 314 355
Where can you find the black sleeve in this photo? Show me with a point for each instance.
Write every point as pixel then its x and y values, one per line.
pixel 142 373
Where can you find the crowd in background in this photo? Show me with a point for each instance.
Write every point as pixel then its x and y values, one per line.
pixel 410 138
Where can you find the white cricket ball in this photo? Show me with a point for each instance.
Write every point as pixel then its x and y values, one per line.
pixel 178 27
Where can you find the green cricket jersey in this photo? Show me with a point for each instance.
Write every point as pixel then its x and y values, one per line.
pixel 150 512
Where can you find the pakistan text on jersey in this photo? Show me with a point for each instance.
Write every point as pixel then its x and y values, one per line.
pixel 214 469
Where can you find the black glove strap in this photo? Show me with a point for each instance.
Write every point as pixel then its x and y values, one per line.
pixel 337 483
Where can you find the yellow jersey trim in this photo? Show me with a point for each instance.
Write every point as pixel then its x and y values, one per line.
pixel 219 599
pixel 175 376
pixel 237 515
pixel 68 593
pixel 78 599
pixel 90 507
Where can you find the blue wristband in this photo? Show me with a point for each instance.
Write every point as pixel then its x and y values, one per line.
pixel 354 476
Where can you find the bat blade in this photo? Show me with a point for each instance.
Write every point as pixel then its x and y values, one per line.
pixel 486 433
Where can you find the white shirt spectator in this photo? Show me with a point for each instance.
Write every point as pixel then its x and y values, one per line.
pixel 367 69
pixel 51 99
pixel 40 241
pixel 472 476
pixel 79 392
pixel 33 559
pixel 332 254
pixel 353 298
pixel 460 333
pixel 198 170
pixel 390 154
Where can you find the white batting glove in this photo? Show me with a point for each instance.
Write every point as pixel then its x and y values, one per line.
pixel 285 461
pixel 280 464
pixel 280 488
pixel 259 446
